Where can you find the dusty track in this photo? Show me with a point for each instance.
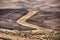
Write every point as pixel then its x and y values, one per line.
pixel 22 21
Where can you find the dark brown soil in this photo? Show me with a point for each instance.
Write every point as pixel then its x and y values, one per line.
pixel 46 19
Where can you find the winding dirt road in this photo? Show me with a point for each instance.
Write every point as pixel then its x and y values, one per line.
pixel 22 21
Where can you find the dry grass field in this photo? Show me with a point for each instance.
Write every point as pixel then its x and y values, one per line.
pixel 28 35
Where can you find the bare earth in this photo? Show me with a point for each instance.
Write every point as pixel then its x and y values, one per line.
pixel 29 19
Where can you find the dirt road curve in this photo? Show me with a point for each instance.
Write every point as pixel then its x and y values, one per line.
pixel 27 16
